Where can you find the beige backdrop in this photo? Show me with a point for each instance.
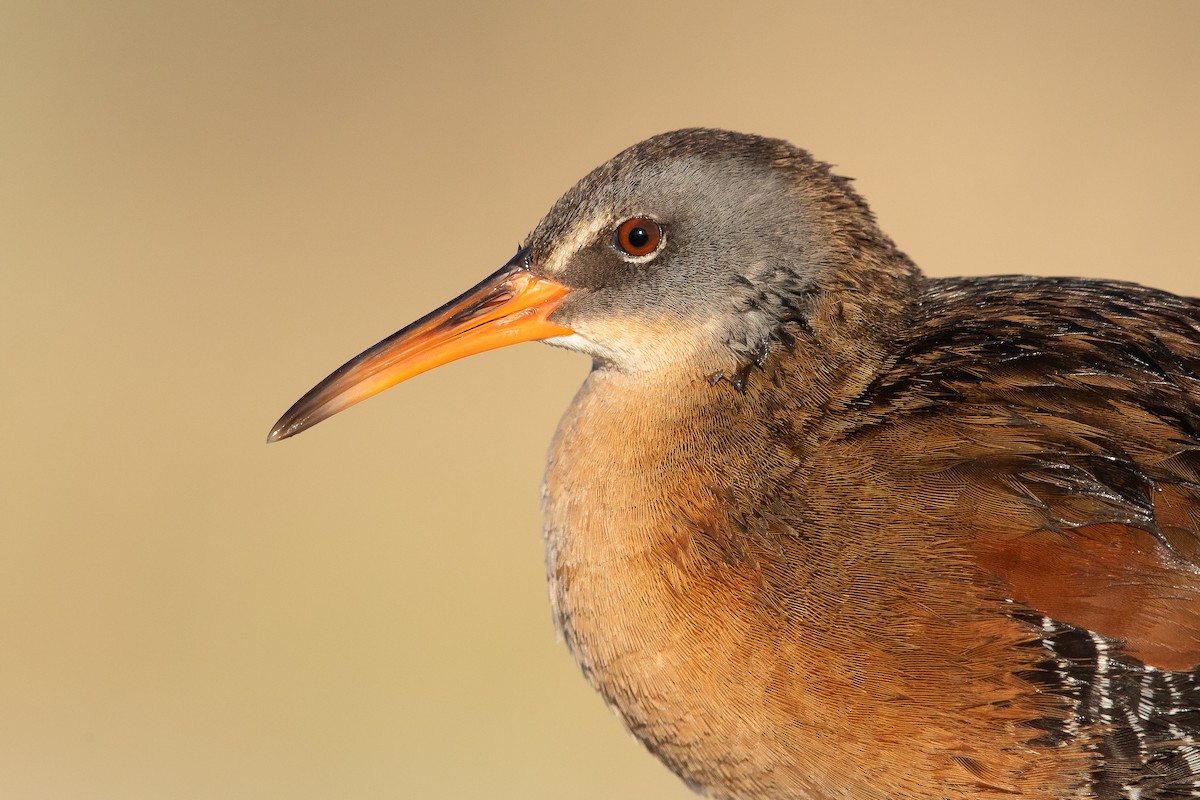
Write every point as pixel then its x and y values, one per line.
pixel 203 210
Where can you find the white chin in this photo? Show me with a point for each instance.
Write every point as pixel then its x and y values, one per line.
pixel 633 353
pixel 581 344
pixel 573 342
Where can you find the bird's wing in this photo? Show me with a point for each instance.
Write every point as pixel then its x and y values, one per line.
pixel 1068 413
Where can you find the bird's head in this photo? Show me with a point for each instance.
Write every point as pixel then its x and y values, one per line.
pixel 694 250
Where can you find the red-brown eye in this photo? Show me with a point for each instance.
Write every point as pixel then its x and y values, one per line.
pixel 639 236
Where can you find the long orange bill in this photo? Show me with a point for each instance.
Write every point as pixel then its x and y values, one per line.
pixel 509 306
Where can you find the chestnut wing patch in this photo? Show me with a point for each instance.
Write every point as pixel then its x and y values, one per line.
pixel 1118 581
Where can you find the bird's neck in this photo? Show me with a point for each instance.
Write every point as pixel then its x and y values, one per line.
pixel 638 455
pixel 830 329
pixel 642 433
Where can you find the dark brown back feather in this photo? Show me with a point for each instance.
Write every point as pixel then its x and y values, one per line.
pixel 1081 399
pixel 1066 414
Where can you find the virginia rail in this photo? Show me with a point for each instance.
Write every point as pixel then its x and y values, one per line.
pixel 818 526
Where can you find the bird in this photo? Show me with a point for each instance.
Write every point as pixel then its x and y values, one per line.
pixel 819 526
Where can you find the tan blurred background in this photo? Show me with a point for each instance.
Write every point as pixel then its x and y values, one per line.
pixel 205 209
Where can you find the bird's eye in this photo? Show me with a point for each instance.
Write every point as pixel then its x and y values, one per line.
pixel 638 237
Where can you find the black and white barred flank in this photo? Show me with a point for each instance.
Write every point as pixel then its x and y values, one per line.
pixel 1141 723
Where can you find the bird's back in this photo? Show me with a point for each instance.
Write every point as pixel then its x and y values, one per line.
pixel 1068 411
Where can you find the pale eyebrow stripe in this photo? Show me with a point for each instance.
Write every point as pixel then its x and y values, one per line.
pixel 572 243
